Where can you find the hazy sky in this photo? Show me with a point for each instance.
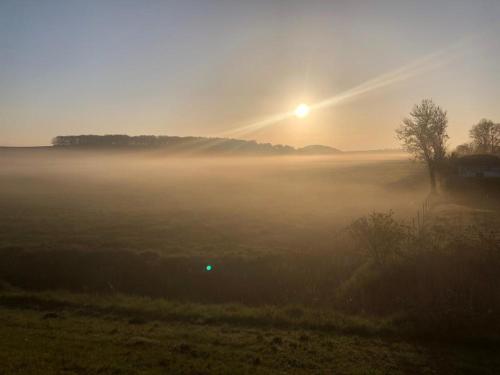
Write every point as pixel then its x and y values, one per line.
pixel 205 67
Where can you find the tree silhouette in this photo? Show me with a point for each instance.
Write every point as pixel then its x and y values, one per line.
pixel 423 134
pixel 486 136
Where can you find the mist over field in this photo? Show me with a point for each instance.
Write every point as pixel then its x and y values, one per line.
pixel 176 259
pixel 200 205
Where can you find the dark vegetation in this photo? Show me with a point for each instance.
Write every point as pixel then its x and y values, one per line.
pixel 258 280
pixel 190 145
pixel 444 279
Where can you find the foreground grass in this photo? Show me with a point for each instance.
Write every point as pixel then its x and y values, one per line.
pixel 53 333
pixel 148 309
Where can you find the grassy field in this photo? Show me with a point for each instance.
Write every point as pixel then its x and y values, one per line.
pixel 79 334
pixel 104 256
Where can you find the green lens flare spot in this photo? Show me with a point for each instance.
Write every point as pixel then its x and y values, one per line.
pixel 208 267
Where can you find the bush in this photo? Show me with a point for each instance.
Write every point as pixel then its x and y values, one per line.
pixel 447 277
pixel 379 236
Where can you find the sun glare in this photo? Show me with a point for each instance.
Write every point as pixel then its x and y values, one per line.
pixel 302 110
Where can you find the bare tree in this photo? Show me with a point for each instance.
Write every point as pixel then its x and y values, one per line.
pixel 486 136
pixel 423 134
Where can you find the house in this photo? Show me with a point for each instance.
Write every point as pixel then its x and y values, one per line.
pixel 479 166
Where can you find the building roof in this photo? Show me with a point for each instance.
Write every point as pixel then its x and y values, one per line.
pixel 479 160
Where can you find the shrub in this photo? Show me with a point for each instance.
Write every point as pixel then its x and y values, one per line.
pixel 446 279
pixel 379 236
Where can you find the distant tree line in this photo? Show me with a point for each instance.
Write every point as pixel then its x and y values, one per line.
pixel 185 144
pixel 195 144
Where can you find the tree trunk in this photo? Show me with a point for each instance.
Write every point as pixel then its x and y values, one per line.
pixel 432 177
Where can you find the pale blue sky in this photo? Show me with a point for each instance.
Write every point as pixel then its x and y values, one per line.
pixel 203 67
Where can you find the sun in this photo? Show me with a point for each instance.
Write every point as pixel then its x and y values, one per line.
pixel 302 110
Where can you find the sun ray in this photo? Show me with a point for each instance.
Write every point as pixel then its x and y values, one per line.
pixel 424 64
